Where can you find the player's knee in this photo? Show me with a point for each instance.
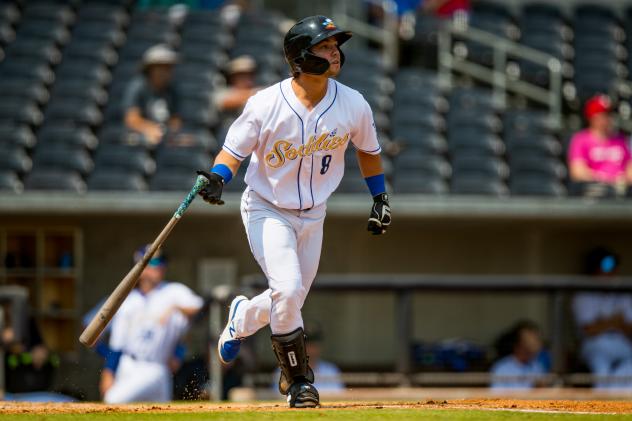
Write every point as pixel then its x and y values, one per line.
pixel 289 298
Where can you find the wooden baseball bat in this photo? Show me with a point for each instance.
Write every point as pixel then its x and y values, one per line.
pixel 98 323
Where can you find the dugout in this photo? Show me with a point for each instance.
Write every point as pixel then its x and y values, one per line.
pixel 441 236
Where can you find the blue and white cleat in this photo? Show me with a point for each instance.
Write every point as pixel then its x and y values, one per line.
pixel 228 345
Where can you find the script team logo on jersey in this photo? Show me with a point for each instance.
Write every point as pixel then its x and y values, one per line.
pixel 283 150
pixel 329 24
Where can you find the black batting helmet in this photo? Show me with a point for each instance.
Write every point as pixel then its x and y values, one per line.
pixel 303 36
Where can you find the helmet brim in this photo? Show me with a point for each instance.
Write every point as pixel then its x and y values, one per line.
pixel 340 35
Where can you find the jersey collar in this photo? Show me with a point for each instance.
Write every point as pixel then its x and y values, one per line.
pixel 299 108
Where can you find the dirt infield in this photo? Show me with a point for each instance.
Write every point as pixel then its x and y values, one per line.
pixel 562 406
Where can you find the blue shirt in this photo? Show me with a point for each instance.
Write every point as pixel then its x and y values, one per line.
pixel 511 367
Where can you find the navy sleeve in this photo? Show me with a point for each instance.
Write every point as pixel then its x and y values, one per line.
pixel 112 360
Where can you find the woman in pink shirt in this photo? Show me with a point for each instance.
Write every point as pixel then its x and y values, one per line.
pixel 596 154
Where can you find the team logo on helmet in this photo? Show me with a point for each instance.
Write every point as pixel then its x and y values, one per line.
pixel 329 24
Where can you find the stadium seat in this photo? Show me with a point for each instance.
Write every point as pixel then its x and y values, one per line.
pixel 105 12
pixel 21 88
pixel 10 182
pixel 419 163
pixel 467 98
pixel 84 69
pixel 491 17
pixel 432 186
pixel 484 166
pixel 60 13
pixel 14 158
pixel 531 165
pixel 79 90
pixel 7 34
pixel 124 158
pixel 420 98
pixel 116 180
pixel 472 141
pixel 473 119
pixel 418 138
pixel 21 111
pixel 537 186
pixel 204 19
pixel 478 185
pixel 170 180
pixel 203 52
pixel 68 135
pixel 54 179
pixel 117 133
pixel 103 32
pixel 182 158
pixel 26 70
pixel 411 117
pixel 20 135
pixel 203 76
pixel 90 50
pixel 62 157
pixel 416 78
pixel 41 50
pixel 525 121
pixel 533 144
pixel 49 30
pixel 9 13
pixel 76 111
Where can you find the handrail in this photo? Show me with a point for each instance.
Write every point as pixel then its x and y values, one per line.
pixel 497 75
pixel 386 36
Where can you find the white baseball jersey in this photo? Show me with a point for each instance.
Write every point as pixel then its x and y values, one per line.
pixel 298 155
pixel 137 328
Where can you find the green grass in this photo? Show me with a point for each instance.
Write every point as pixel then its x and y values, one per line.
pixel 343 415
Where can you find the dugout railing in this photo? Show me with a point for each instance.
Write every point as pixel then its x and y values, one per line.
pixel 558 289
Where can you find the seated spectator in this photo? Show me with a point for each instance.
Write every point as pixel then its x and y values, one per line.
pixel 604 320
pixel 597 154
pixel 241 73
pixel 150 102
pixel 523 367
pixel 326 374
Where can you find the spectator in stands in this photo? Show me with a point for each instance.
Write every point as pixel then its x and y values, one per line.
pixel 241 73
pixel 151 101
pixel 597 154
pixel 327 374
pixel 446 8
pixel 604 320
pixel 522 366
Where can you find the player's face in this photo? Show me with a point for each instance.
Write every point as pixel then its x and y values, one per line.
pixel 152 275
pixel 328 49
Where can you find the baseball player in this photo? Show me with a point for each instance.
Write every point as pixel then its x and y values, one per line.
pixel 296 133
pixel 144 335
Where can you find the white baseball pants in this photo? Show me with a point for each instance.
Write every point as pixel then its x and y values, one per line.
pixel 286 244
pixel 140 381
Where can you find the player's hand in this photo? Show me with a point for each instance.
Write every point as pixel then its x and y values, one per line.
pixel 380 217
pixel 212 193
